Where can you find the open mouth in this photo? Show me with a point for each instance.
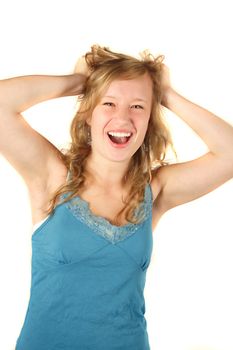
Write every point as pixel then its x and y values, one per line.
pixel 119 138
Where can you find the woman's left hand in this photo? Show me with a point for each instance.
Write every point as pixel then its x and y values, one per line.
pixel 165 83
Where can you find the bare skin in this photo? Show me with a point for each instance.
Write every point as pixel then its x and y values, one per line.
pixel 40 165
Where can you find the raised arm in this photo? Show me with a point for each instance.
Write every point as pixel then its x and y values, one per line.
pixel 27 151
pixel 184 182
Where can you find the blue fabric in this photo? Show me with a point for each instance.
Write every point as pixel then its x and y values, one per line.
pixel 88 279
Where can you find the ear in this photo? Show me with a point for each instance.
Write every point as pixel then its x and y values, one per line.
pixel 88 121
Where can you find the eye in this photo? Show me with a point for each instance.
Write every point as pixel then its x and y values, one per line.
pixel 137 107
pixel 110 104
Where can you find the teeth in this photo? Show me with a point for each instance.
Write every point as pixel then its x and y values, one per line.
pixel 119 134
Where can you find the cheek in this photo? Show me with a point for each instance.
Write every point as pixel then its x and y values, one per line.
pixel 143 126
pixel 142 123
pixel 99 118
pixel 98 123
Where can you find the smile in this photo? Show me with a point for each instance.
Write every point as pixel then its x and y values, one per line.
pixel 119 139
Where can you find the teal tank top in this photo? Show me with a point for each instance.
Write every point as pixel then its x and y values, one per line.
pixel 88 279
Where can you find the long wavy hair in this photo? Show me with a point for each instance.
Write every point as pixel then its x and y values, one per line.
pixel 105 66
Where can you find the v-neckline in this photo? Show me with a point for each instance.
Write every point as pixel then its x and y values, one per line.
pixel 80 208
pixel 91 213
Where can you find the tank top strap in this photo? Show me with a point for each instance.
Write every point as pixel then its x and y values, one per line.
pixel 145 207
pixel 68 177
pixel 148 194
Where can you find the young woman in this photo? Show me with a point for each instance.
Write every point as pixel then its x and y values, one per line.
pixel 96 205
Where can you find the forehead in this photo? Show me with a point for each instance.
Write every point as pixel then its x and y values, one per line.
pixel 137 88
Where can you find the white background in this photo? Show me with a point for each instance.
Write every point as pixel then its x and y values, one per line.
pixel 189 282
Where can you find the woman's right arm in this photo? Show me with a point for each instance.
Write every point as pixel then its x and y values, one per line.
pixel 32 155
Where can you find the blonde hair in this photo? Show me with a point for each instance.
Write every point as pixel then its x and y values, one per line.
pixel 106 66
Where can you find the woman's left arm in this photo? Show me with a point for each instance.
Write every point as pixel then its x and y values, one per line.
pixel 184 182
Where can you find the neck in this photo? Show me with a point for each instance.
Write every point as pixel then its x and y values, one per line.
pixel 106 173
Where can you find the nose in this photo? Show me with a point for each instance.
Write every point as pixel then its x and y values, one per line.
pixel 123 114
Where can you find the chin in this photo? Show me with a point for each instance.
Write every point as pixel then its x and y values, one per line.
pixel 118 158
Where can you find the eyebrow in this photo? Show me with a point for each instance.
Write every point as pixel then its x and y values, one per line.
pixel 135 99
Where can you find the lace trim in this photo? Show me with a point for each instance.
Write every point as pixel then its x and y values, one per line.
pixel 81 210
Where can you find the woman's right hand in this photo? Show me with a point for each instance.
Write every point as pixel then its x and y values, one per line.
pixel 81 67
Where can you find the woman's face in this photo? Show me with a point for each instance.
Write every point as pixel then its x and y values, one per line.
pixel 119 121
